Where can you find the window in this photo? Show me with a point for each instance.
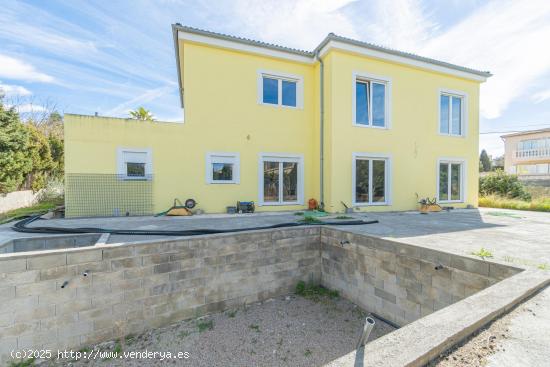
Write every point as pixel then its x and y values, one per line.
pixel 370 101
pixel 134 164
pixel 371 179
pixel 281 180
pixel 450 181
pixel 222 168
pixel 280 89
pixel 452 113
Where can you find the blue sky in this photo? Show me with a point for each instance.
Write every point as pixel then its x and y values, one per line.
pixel 112 56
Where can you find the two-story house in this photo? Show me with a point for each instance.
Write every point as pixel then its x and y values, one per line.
pixel 527 154
pixel 347 123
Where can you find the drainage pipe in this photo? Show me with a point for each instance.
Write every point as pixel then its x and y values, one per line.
pixel 22 226
pixel 321 130
pixel 369 325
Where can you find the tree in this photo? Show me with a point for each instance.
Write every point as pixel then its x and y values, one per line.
pixel 15 160
pixel 142 114
pixel 485 161
pixel 42 163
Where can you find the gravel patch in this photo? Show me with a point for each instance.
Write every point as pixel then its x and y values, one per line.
pixel 285 331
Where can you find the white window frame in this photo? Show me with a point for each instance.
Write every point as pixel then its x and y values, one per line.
pixel 121 163
pixel 280 157
pixel 216 157
pixel 452 160
pixel 280 76
pixel 367 77
pixel 387 179
pixel 463 112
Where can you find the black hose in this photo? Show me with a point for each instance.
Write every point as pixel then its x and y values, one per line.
pixel 22 226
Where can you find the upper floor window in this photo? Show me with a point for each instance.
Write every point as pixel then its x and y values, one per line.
pixel 280 89
pixel 452 115
pixel 134 163
pixel 371 101
pixel 222 168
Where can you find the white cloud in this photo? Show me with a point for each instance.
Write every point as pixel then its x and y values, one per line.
pixel 541 96
pixel 29 108
pixel 14 90
pixel 507 37
pixel 16 69
pixel 139 100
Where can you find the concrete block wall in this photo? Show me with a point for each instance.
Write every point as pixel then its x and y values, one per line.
pixel 399 282
pixel 133 287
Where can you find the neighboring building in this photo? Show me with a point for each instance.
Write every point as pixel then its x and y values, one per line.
pixel 527 154
pixel 349 122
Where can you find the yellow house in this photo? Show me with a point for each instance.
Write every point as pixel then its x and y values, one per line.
pixel 348 124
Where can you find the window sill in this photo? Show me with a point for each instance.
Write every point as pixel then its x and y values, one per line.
pixel 371 126
pixel 128 178
pixel 450 201
pixel 280 106
pixel 222 182
pixel 281 204
pixel 371 204
pixel 452 135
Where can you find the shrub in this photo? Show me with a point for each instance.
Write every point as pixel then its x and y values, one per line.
pixel 493 201
pixel 504 185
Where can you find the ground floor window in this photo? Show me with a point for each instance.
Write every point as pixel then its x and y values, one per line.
pixel 450 181
pixel 222 168
pixel 134 164
pixel 370 179
pixel 281 180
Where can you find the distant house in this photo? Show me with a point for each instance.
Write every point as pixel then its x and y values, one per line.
pixel 527 154
pixel 348 123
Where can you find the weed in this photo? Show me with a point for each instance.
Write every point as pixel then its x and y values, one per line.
pixel 205 325
pixel 85 350
pixel 307 353
pixel 129 339
pixel 23 363
pixel 343 217
pixel 231 313
pixel 310 220
pixel 118 348
pixel 314 292
pixel 255 327
pixel 299 213
pixel 544 266
pixel 483 253
pixel 184 334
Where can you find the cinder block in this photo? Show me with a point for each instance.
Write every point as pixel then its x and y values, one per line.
pixel 7 293
pixel 13 265
pixel 470 265
pixel 18 278
pixel 129 262
pixel 118 252
pixel 166 267
pixel 385 295
pixel 80 257
pixel 76 329
pixel 46 261
pixel 30 289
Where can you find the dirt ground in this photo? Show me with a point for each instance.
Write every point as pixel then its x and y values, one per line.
pixel 286 331
pixel 503 344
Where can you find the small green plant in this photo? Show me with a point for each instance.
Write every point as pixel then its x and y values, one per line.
pixel 184 334
pixel 255 327
pixel 205 325
pixel 118 348
pixel 130 339
pixel 544 266
pixel 310 220
pixel 231 313
pixel 85 350
pixel 314 292
pixel 299 213
pixel 483 253
pixel 307 353
pixel 343 217
pixel 23 363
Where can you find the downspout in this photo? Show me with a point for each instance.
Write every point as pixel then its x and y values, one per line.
pixel 321 131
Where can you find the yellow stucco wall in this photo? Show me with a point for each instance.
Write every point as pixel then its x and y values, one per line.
pixel 222 115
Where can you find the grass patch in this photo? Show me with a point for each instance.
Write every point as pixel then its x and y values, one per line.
pixel 184 334
pixel 24 363
pixel 541 204
pixel 310 220
pixel 41 207
pixel 254 327
pixel 483 253
pixel 299 213
pixel 205 325
pixel 307 353
pixel 231 313
pixel 343 217
pixel 314 292
pixel 543 266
